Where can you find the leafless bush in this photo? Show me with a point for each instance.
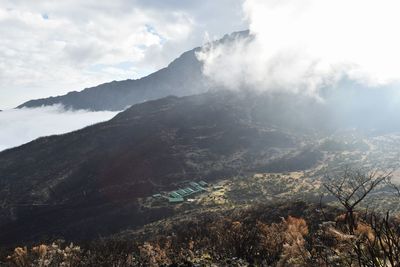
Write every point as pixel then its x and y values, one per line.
pixel 351 187
pixel 278 235
pixel 56 254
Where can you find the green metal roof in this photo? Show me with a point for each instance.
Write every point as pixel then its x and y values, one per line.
pixel 189 190
pixel 194 184
pixel 185 192
pixel 178 195
pixel 203 183
pixel 175 199
pixel 198 188
pixel 175 194
pixel 181 192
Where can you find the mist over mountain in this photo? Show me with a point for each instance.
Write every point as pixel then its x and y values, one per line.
pixel 274 146
pixel 105 168
pixel 16 129
pixel 93 181
pixel 181 77
pixel 74 185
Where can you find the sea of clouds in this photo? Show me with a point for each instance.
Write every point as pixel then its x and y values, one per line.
pixel 19 126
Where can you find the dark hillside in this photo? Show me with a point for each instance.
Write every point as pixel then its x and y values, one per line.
pixel 81 181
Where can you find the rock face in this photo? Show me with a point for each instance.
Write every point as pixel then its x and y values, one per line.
pixel 182 77
pixel 86 183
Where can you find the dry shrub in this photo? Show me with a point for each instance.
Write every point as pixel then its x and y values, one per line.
pixel 241 239
pixel 232 238
pixel 19 257
pixel 272 238
pixel 294 251
pixel 338 235
pixel 364 230
pixel 46 255
pixel 154 255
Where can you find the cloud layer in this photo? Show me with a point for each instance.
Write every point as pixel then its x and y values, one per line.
pixel 301 46
pixel 19 126
pixel 52 47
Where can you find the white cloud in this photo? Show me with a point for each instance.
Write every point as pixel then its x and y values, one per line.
pixel 49 48
pixel 303 45
pixel 52 47
pixel 19 126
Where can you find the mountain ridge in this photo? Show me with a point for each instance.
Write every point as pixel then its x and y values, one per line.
pixel 101 171
pixel 183 76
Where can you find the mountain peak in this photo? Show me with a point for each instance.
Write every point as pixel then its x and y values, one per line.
pixel 183 76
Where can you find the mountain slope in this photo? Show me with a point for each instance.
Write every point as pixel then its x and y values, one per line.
pixel 181 77
pixel 88 182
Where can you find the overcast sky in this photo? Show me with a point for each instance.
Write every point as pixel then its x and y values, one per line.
pixel 52 47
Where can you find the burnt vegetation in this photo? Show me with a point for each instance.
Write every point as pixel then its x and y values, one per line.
pixel 293 233
pixel 72 185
